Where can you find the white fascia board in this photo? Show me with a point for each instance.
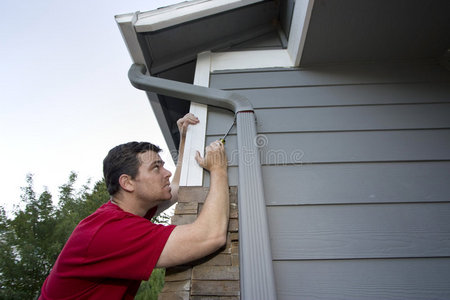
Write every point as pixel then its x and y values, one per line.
pixel 191 172
pixel 126 25
pixel 185 12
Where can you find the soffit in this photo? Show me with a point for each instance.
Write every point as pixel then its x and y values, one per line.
pixel 364 30
pixel 171 47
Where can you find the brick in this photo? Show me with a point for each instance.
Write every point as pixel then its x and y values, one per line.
pixel 233 211
pixel 216 260
pixel 235 248
pixel 233 194
pixel 183 219
pixel 215 273
pixel 227 248
pixel 233 225
pixel 234 236
pixel 174 296
pixel 215 288
pixel 199 193
pixel 192 194
pixel 178 273
pixel 176 286
pixel 216 276
pixel 186 208
pixel 235 260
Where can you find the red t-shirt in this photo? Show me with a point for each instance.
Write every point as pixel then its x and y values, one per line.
pixel 107 256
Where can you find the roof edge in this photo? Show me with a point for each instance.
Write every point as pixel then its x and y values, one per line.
pixel 185 12
pixel 126 22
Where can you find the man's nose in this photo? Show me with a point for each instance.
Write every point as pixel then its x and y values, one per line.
pixel 168 173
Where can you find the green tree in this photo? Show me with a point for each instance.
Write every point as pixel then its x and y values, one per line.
pixel 27 243
pixel 32 239
pixel 150 289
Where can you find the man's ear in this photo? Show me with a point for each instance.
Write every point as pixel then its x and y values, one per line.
pixel 126 183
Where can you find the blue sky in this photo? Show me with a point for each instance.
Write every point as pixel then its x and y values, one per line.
pixel 65 96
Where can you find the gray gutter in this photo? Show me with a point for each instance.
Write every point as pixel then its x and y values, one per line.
pixel 256 269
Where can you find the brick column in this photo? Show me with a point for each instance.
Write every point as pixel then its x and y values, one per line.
pixel 215 276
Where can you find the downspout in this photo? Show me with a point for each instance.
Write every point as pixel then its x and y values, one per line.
pixel 256 269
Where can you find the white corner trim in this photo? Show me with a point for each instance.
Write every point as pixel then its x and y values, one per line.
pixel 191 172
pixel 185 12
pixel 299 27
pixel 126 25
pixel 250 60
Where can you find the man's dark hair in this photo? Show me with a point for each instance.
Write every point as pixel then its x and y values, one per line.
pixel 123 159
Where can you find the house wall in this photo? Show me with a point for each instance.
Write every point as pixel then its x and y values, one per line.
pixel 356 170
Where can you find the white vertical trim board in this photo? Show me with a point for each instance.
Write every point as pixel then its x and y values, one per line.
pixel 191 172
pixel 299 27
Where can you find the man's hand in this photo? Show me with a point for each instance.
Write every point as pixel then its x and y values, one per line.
pixel 215 157
pixel 184 122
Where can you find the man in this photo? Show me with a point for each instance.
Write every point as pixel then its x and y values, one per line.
pixel 114 249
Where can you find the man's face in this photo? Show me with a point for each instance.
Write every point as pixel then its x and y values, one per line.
pixel 152 180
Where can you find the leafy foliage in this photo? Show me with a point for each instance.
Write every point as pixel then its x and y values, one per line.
pixel 150 289
pixel 31 240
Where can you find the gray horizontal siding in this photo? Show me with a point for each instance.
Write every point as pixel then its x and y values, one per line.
pixel 369 183
pixel 337 95
pixel 383 117
pixel 355 231
pixel 387 279
pixel 356 170
pixel 357 183
pixel 340 147
pixel 333 75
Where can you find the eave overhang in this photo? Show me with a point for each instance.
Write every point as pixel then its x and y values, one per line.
pixel 351 31
pixel 168 40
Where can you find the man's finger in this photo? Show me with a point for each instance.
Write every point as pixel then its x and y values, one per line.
pixel 199 159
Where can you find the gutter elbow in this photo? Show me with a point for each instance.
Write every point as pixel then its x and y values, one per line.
pixel 220 98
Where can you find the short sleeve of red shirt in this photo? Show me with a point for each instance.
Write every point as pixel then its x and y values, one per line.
pixel 114 244
pixel 127 248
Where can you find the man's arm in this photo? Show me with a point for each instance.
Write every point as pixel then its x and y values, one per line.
pixel 208 233
pixel 183 124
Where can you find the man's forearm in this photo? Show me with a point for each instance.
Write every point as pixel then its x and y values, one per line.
pixel 175 183
pixel 209 231
pixel 176 176
pixel 216 209
pixel 207 234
